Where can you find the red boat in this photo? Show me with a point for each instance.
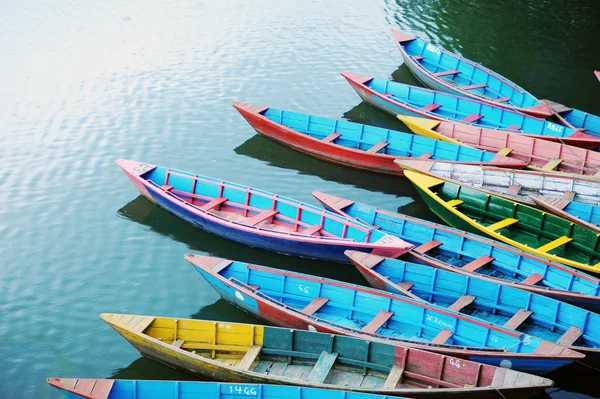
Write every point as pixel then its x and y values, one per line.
pixel 359 146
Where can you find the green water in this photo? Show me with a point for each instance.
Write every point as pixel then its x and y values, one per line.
pixel 82 84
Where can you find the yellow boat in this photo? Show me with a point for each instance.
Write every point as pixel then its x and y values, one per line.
pixel 529 229
pixel 236 352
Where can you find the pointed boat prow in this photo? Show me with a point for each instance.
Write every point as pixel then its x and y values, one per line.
pixel 248 108
pixel 401 37
pixel 356 78
pixel 425 127
pixel 134 168
pixel 207 262
pixel 83 387
pixel 597 73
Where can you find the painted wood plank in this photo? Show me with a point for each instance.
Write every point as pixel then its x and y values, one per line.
pixel 478 263
pixel 418 57
pixel 278 368
pixel 214 203
pixel 322 367
pixel 178 343
pixel 102 389
pixel 331 137
pixel 309 231
pixel 514 189
pixel 425 155
pixel 513 127
pixel 552 164
pixel 462 302
pixel 314 306
pixel 476 86
pixel 533 279
pixel 502 224
pixel 558 107
pixel 378 147
pixel 167 187
pixel 250 357
pixel 143 324
pixel 427 246
pixel 518 319
pixel 446 73
pixel 454 202
pixel 393 377
pixel 431 107
pixel 471 118
pixel 566 199
pixel 570 336
pixel 405 285
pixel 502 99
pixel 379 320
pixel 261 217
pixel 504 151
pixel 442 337
pixel 85 386
pixel 555 244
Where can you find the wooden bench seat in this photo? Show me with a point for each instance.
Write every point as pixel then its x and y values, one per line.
pixel 214 203
pixel 177 343
pixel 261 217
pixel 513 127
pixel 552 164
pixel 405 285
pixel 309 231
pixel 502 99
pixel 533 279
pixel 478 263
pixel 314 306
pixel 331 137
pixel 518 319
pixel 476 86
pixel 166 187
pixel 393 377
pixel 471 118
pixel 427 246
pixel 418 57
pixel 442 337
pixel 514 189
pixel 322 367
pixel 502 224
pixel 378 147
pixel 425 155
pixel 143 323
pixel 454 202
pixel 555 244
pixel 431 107
pixel 250 357
pixel 570 336
pixel 462 303
pixel 377 322
pixel 446 73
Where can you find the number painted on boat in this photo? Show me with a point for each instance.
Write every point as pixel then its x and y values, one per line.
pixel 225 326
pixel 456 363
pixel 141 168
pixel 433 49
pixel 303 288
pixel 527 340
pixel 243 390
pixel 555 128
pixel 494 339
pixel 435 320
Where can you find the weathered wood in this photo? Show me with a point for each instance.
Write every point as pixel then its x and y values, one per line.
pixel 261 217
pixel 557 107
pixel 331 137
pixel 378 147
pixel 427 246
pixel 393 377
pixel 478 263
pixel 504 151
pixel 446 73
pixel 378 321
pixel 552 164
pixel 250 357
pixel 405 285
pixel 502 224
pixel 143 324
pixel 442 337
pixel 518 319
pixel 476 86
pixel 178 343
pixel 462 302
pixel 425 155
pixel 322 367
pixel 471 118
pixel 570 336
pixel 314 306
pixel 102 388
pixel 533 279
pixel 214 203
pixel 514 189
pixel 555 244
pixel 431 107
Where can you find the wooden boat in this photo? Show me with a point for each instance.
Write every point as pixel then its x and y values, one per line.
pixel 297 300
pixel 530 313
pixel 451 73
pixel 540 233
pixel 597 73
pixel 574 199
pixel 255 217
pixel 541 155
pixel 472 255
pixel 149 389
pixel 358 146
pixel 236 352
pixel 398 98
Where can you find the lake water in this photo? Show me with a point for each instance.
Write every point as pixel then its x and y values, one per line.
pixel 85 83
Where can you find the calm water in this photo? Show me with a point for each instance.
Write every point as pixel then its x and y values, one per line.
pixel 83 84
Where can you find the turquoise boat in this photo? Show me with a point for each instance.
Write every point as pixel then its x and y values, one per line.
pixel 530 313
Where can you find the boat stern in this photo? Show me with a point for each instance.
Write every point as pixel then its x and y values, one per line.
pixel 425 127
pixel 333 203
pixel 247 109
pixel 390 246
pixel 133 170
pixel 83 387
pixel 401 37
pixel 356 79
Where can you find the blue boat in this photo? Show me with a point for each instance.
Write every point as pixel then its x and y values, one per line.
pixel 257 218
pixel 359 146
pixel 302 301
pixel 399 98
pixel 530 313
pixel 469 254
pixel 449 72
pixel 147 389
